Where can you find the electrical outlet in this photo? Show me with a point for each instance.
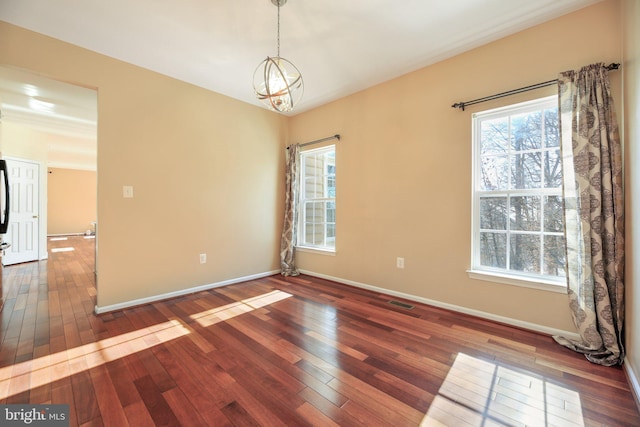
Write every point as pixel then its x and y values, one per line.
pixel 400 262
pixel 127 191
pixel 203 258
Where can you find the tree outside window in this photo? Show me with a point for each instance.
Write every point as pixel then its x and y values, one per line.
pixel 518 217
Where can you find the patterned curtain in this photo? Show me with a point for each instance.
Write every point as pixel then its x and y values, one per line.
pixel 594 213
pixel 290 227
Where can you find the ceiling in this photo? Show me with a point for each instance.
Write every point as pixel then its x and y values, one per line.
pixel 341 47
pixel 64 117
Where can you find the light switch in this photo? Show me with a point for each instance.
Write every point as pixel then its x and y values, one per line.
pixel 127 191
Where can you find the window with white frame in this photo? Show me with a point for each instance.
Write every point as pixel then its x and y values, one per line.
pixel 518 222
pixel 317 205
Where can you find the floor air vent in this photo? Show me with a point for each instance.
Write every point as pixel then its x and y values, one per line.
pixel 402 304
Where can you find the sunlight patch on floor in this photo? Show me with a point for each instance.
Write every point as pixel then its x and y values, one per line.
pixel 20 377
pixel 34 373
pixel 481 393
pixel 220 314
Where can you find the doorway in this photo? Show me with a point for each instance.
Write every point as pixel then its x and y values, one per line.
pixel 52 125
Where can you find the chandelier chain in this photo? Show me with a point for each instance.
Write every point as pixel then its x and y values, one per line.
pixel 278 29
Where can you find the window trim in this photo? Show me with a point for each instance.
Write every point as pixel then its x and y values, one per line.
pixel 515 280
pixel 496 275
pixel 314 250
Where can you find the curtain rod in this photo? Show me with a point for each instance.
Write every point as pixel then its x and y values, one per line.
pixel 317 141
pixel 461 105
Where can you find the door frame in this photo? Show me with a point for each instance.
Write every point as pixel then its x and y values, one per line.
pixel 43 252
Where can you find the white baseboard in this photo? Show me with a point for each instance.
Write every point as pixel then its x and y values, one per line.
pixel 489 316
pixel 182 292
pixel 634 380
pixel 452 307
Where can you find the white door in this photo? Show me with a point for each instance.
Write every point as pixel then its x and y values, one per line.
pixel 23 231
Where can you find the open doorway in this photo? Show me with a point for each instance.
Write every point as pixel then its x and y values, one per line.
pixel 52 125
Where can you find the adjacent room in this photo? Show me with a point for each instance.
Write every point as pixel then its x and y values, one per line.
pixel 364 245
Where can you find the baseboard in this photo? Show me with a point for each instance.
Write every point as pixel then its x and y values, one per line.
pixel 484 315
pixel 489 316
pixel 182 292
pixel 633 379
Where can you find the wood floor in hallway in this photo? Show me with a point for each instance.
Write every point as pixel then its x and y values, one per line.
pixel 283 351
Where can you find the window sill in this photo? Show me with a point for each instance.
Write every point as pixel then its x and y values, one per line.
pixel 506 279
pixel 316 250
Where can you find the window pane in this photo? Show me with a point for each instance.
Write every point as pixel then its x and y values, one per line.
pixel 552 169
pixel 319 212
pixel 317 239
pixel 554 256
pixel 495 136
pixel 331 175
pixel 525 253
pixel 525 213
pixel 331 230
pixel 495 173
pixel 331 186
pixel 493 213
pixel 551 128
pixel 525 171
pixel 331 211
pixel 309 212
pixel 312 188
pixel 553 214
pixel 493 250
pixel 526 131
pixel 309 234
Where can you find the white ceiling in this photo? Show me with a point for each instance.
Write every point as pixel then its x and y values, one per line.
pixel 64 116
pixel 340 46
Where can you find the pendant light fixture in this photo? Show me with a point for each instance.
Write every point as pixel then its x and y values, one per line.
pixel 276 81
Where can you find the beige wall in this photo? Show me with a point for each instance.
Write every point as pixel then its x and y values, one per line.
pixel 71 200
pixel 206 171
pixel 404 166
pixel 631 134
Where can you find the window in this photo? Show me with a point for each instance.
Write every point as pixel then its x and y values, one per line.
pixel 318 199
pixel 518 225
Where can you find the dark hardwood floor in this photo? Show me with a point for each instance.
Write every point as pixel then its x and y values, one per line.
pixel 275 351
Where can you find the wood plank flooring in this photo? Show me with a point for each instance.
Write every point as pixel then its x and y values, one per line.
pixel 283 351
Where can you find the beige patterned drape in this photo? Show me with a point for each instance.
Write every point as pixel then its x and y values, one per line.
pixel 290 227
pixel 594 213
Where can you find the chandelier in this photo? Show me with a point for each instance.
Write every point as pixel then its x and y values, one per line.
pixel 276 81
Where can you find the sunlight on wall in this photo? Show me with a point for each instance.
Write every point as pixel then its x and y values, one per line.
pixel 478 392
